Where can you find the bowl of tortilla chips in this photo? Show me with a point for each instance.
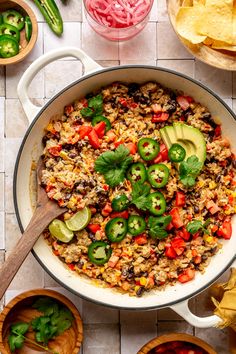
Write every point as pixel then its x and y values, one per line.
pixel 207 28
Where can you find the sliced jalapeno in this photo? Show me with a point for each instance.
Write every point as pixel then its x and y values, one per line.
pixel 176 153
pixel 137 172
pixel 148 148
pixel 51 13
pixel 9 47
pixel 28 28
pixel 10 30
pixel 158 203
pixel 99 252
pixel 116 229
pixel 120 203
pixel 136 225
pixel 14 18
pixel 158 175
pixel 98 119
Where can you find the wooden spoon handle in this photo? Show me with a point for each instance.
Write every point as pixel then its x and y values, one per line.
pixel 17 256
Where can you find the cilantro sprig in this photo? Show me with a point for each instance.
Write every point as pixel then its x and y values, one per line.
pixel 196 225
pixel 113 165
pixel 157 226
pixel 140 192
pixel 95 107
pixel 189 170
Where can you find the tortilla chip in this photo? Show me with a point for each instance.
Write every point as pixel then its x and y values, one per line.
pixel 219 3
pixel 187 3
pixel 186 20
pixel 216 22
pixel 198 2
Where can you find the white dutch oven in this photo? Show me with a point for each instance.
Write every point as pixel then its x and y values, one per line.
pixel 175 297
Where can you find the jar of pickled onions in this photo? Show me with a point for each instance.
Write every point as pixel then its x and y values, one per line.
pixel 117 19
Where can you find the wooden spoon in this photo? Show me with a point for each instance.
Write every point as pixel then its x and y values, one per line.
pixel 46 210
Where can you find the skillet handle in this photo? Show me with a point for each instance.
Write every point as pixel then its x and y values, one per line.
pixel 183 310
pixel 30 109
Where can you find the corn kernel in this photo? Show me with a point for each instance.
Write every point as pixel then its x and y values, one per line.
pixel 212 185
pixel 235 209
pixel 200 184
pixel 84 267
pixel 234 194
pixel 102 270
pixel 143 281
pixel 63 155
pixel 208 239
pixel 49 127
pixel 227 211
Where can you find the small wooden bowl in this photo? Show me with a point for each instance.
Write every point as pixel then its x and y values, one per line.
pixel 19 310
pixel 176 337
pixel 26 47
pixel 220 59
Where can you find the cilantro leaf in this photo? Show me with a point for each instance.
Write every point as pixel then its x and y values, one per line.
pixel 139 195
pixel 189 170
pixel 157 226
pixel 196 225
pixel 15 342
pixel 46 305
pixel 87 112
pixel 96 103
pixel 20 327
pixel 113 165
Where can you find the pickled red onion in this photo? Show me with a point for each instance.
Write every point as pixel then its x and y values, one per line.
pixel 118 13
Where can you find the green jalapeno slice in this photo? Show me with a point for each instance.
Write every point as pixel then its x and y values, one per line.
pixel 136 225
pixel 158 203
pixel 158 175
pixel 176 153
pixel 148 148
pixel 116 229
pixel 120 203
pixel 137 172
pixel 99 252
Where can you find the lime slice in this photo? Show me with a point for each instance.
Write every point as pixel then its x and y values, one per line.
pixel 80 220
pixel 59 230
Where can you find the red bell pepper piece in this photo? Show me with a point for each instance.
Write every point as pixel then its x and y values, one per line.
pixel 176 219
pixel 107 209
pixel 120 214
pixel 170 252
pixel 111 135
pixel 225 230
pixel 123 102
pixel 180 199
pixel 183 102
pixel 187 275
pixel 119 142
pixel 68 109
pixel 169 226
pixel 218 131
pixel 183 233
pixel 178 245
pixel 140 239
pixel 55 150
pixel 71 266
pixel 100 129
pixel 163 154
pixel 93 139
pixel 212 207
pixel 132 148
pixel 94 228
pixel 84 131
pixel 160 117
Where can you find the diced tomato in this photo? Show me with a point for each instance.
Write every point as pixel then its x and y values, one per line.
pixel 118 142
pixel 212 207
pixel 56 252
pixel 178 245
pixel 187 275
pixel 183 102
pixel 105 187
pixel 214 228
pixel 140 239
pixel 84 102
pixel 180 199
pixel 94 228
pixel 93 139
pixel 197 259
pixel 71 266
pixel 84 131
pixel 218 131
pixel 133 105
pixel 231 199
pixel 169 226
pixel 55 150
pixel 183 233
pixel 175 344
pixel 225 230
pixel 170 252
pixel 163 154
pixel 176 219
pixel 68 109
pixel 160 349
pixel 100 129
pixel 49 187
pixel 160 117
pixel 196 235
pixel 113 261
pixel 132 148
pixel 120 214
pixel 107 209
pixel 111 135
pixel 123 102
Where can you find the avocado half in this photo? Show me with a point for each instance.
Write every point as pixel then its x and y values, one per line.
pixel 190 138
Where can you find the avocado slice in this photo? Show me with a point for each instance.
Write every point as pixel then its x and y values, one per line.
pixel 187 136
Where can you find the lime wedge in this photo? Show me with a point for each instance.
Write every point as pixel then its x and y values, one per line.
pixel 59 230
pixel 80 220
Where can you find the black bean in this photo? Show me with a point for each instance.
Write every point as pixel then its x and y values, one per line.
pixel 218 178
pixel 234 163
pixel 140 292
pixel 44 140
pixel 132 88
pixel 171 106
pixel 204 257
pixel 196 209
pixel 72 155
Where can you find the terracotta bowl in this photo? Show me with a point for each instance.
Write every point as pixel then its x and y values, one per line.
pixel 176 337
pixel 220 59
pixel 26 47
pixel 19 309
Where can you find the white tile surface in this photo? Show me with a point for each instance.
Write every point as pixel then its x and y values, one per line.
pixel 135 335
pixel 138 62
pixel 2 230
pixel 101 339
pixel 38 48
pixel 2 81
pixel 168 45
pixel 93 313
pixel 2 150
pixel 2 117
pixel 2 197
pixel 16 120
pixel 71 11
pixel 234 85
pixel 129 50
pixel 184 66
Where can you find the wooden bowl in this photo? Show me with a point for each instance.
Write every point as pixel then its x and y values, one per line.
pixel 176 337
pixel 220 59
pixel 26 47
pixel 19 309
